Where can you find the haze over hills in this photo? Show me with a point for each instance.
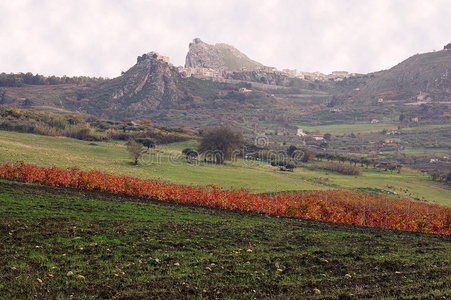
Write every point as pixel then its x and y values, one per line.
pixel 219 84
pixel 404 108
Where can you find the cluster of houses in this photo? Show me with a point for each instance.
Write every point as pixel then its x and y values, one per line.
pixel 317 137
pixel 220 74
pixel 444 159
pixel 299 132
pixel 335 76
pixel 211 73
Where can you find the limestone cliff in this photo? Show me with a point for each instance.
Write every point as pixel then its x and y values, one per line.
pixel 221 57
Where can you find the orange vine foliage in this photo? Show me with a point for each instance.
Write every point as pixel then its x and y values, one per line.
pixel 332 206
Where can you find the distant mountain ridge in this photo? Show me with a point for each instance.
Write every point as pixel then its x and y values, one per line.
pixel 426 75
pixel 220 84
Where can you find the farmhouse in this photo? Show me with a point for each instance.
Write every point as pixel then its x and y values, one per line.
pixel 244 90
pixel 300 132
pixel 318 137
pixel 393 132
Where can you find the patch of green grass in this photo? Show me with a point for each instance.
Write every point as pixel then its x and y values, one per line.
pixel 61 242
pixel 167 163
pixel 340 129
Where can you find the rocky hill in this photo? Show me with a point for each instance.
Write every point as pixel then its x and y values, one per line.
pixel 221 57
pixel 149 85
pixel 153 88
pixel 419 77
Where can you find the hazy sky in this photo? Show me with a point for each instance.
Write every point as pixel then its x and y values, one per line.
pixel 104 37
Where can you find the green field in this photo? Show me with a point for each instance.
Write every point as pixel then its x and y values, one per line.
pixel 340 129
pixel 166 162
pixel 62 243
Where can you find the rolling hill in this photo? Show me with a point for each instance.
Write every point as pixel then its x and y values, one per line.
pixel 420 77
pixel 221 85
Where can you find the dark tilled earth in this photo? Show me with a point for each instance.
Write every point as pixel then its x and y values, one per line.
pixel 62 243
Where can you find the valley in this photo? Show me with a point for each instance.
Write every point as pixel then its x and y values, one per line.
pixel 226 178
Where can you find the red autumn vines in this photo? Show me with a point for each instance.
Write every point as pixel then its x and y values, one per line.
pixel 333 205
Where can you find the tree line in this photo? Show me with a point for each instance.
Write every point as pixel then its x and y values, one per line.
pixel 19 79
pixel 363 161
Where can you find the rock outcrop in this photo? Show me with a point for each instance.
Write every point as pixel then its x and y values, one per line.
pixel 152 83
pixel 220 57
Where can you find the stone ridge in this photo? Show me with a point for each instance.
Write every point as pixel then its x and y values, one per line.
pixel 219 57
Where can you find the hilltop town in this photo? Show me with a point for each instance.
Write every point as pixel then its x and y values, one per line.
pixel 216 62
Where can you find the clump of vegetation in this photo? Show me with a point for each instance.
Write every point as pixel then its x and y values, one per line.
pixel 135 149
pixel 338 168
pixel 436 175
pixel 146 142
pixel 218 144
pixel 89 128
pixel 20 79
pixel 190 153
pixel 284 165
pixel 44 123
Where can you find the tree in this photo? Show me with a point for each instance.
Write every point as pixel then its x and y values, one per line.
pixel 290 165
pixel 291 150
pixel 135 149
pixel 146 142
pixel 401 117
pixel 309 154
pixel 2 97
pixel 27 103
pixel 190 153
pixel 146 122
pixel 327 136
pixel 219 143
pixel 284 165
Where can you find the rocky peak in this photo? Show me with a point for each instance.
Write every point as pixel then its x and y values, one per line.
pixel 152 83
pixel 220 57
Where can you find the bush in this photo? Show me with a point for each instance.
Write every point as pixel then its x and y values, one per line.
pixel 148 143
pixel 188 152
pixel 339 168
pixel 284 165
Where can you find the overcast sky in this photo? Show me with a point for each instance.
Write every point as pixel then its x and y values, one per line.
pixel 104 37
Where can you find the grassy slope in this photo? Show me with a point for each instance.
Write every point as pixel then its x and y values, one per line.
pixel 116 247
pixel 340 129
pixel 167 164
pixel 233 62
pixel 44 97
